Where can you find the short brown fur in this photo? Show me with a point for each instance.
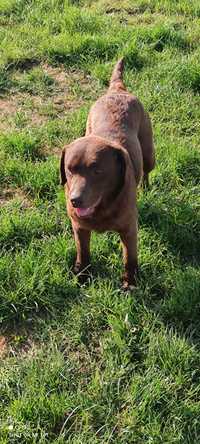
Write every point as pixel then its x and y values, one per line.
pixel 101 171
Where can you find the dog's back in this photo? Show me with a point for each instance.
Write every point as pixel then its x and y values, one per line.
pixel 117 116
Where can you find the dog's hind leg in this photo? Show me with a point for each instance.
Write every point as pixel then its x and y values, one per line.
pixel 145 136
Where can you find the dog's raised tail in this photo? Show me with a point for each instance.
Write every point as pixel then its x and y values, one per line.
pixel 116 81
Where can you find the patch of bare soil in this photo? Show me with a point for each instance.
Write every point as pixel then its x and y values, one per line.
pixel 20 109
pixel 7 108
pixel 9 194
pixel 63 77
pixel 119 7
pixel 20 344
pixel 70 87
pixel 12 344
pixel 3 346
pixel 15 113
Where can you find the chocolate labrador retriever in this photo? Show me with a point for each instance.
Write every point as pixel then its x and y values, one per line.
pixel 101 172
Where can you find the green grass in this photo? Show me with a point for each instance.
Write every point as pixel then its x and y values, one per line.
pixel 88 365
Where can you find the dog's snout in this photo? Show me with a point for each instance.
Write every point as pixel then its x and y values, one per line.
pixel 76 201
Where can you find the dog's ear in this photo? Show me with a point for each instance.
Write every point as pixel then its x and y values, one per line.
pixel 121 166
pixel 63 178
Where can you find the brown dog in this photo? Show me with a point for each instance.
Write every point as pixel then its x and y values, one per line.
pixel 101 172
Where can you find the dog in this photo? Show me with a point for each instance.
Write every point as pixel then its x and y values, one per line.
pixel 102 170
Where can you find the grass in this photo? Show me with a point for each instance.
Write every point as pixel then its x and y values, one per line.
pixel 84 365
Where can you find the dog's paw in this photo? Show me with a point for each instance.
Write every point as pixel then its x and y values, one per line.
pixel 130 280
pixel 77 268
pixel 82 272
pixel 127 288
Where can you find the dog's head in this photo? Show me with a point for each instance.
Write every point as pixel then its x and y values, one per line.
pixel 94 170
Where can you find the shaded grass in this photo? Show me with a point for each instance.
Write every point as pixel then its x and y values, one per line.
pixel 189 77
pixel 5 82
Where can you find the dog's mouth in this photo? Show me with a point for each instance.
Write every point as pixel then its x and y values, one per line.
pixel 87 212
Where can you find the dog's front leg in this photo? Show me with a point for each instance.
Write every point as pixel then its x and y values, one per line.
pixel 129 244
pixel 82 241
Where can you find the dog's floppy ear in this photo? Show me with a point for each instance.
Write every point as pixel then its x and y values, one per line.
pixel 63 178
pixel 124 168
pixel 121 169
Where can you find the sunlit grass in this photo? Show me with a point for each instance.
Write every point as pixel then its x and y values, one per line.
pixel 87 365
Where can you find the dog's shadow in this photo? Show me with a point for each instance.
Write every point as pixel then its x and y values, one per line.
pixel 101 268
pixel 175 301
pixel 179 228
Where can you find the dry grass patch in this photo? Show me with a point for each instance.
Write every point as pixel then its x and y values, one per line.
pixel 25 106
pixel 9 195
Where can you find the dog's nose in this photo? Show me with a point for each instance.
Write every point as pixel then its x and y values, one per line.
pixel 76 201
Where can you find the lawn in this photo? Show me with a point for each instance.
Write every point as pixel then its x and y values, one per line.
pixel 90 364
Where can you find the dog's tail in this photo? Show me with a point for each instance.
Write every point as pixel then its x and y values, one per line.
pixel 116 81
